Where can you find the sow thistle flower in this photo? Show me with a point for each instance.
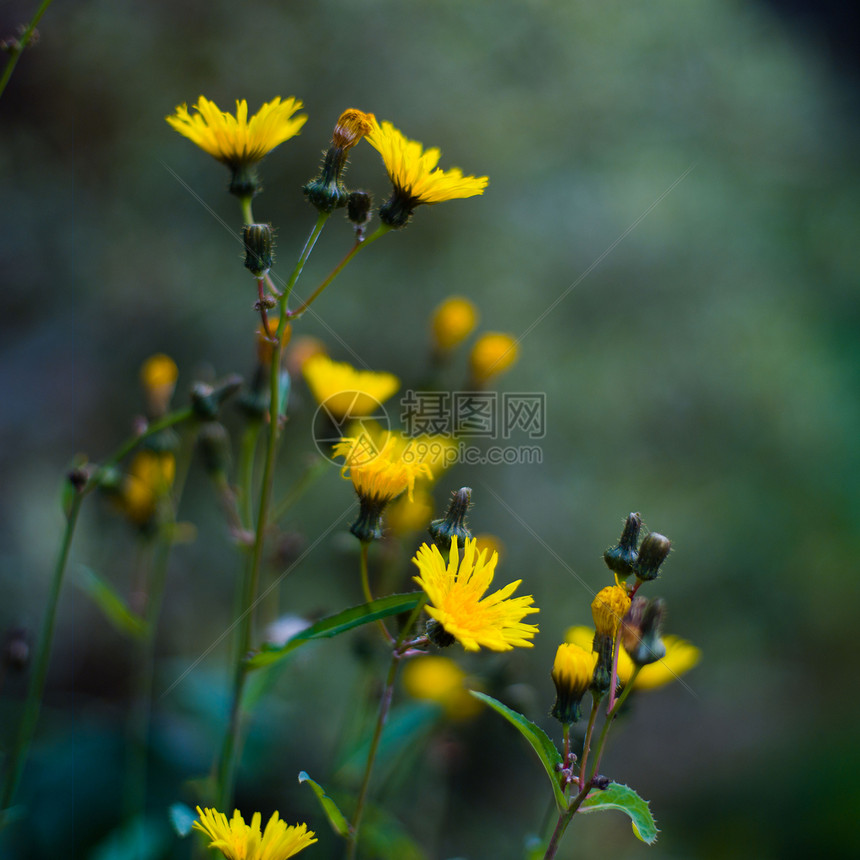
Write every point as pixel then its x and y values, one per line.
pixel 459 608
pixel 237 141
pixel 415 175
pixel 345 391
pixel 379 474
pixel 239 841
pixel 571 673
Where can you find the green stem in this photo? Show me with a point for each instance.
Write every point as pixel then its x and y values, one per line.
pixel 610 718
pixel 586 744
pixel 33 702
pixel 303 258
pixel 368 594
pixel 247 212
pixel 247 452
pixel 381 231
pixel 564 819
pixel 384 708
pixel 16 52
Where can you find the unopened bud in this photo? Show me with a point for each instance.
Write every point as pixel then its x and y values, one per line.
pixel 358 207
pixel 640 631
pixel 259 241
pixel 453 524
pixel 652 553
pixel 438 635
pixel 214 444
pixel 621 559
pixel 206 400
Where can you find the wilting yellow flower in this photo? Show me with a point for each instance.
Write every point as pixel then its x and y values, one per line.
pixel 492 354
pixel 150 477
pixel 344 390
pixel 680 657
pixel 456 591
pixel 608 608
pixel 158 375
pixel 415 175
pixel 239 841
pixel 571 674
pixel 440 680
pixel 452 322
pixel 235 140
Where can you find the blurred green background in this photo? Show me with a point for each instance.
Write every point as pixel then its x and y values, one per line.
pixel 670 224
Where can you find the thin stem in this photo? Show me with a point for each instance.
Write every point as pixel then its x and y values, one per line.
pixel 610 718
pixel 368 594
pixel 565 730
pixel 361 243
pixel 247 211
pixel 303 258
pixel 586 744
pixel 36 687
pixel 384 708
pixel 564 819
pixel 23 42
pixel 247 450
pixel 613 680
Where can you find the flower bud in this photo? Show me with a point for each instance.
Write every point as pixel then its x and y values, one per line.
pixel 492 354
pixel 438 635
pixel 608 608
pixel 214 444
pixel 572 674
pixel 652 553
pixel 206 400
pixel 158 375
pixel 452 322
pixel 259 241
pixel 621 559
pixel 358 207
pixel 640 631
pixel 453 524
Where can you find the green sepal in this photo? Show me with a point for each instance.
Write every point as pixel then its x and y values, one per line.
pixel 111 604
pixel 538 739
pixel 181 817
pixel 625 800
pixel 335 817
pixel 394 604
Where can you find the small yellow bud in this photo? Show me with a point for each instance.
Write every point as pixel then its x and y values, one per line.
pixel 492 354
pixel 158 375
pixel 452 322
pixel 608 608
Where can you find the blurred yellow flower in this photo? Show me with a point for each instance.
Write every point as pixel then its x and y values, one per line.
pixel 456 591
pixel 491 543
pixel 452 322
pixel 158 375
pixel 439 679
pixel 415 175
pixel 492 354
pixel 235 140
pixel 239 841
pixel 405 516
pixel 345 391
pixel 150 477
pixel 680 657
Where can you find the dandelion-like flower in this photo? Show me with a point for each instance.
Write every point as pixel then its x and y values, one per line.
pixel 344 391
pixel 456 591
pixel 571 673
pixel 415 176
pixel 378 474
pixel 239 841
pixel 237 141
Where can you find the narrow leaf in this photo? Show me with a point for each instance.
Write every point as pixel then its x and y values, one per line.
pixel 181 817
pixel 335 817
pixel 394 604
pixel 540 742
pixel 111 604
pixel 625 800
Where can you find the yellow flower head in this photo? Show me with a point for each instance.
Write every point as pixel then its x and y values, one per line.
pixel 235 140
pixel 680 657
pixel 608 608
pixel 456 591
pixel 452 322
pixel 158 375
pixel 239 841
pixel 492 354
pixel 150 477
pixel 571 674
pixel 345 391
pixel 439 679
pixel 352 126
pixel 415 175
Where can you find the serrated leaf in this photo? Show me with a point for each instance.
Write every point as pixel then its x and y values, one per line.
pixel 111 604
pixel 625 800
pixel 181 817
pixel 334 625
pixel 538 739
pixel 335 817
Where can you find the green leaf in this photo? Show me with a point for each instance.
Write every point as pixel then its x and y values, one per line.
pixel 111 604
pixel 334 625
pixel 625 800
pixel 181 817
pixel 540 742
pixel 335 817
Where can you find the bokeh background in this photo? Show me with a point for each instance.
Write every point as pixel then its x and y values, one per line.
pixel 671 225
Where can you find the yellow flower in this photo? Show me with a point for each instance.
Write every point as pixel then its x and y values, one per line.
pixel 571 673
pixel 239 841
pixel 150 477
pixel 158 375
pixel 491 543
pixel 405 516
pixel 439 679
pixel 415 175
pixel 680 657
pixel 457 590
pixel 492 354
pixel 235 140
pixel 452 322
pixel 345 391
pixel 608 608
